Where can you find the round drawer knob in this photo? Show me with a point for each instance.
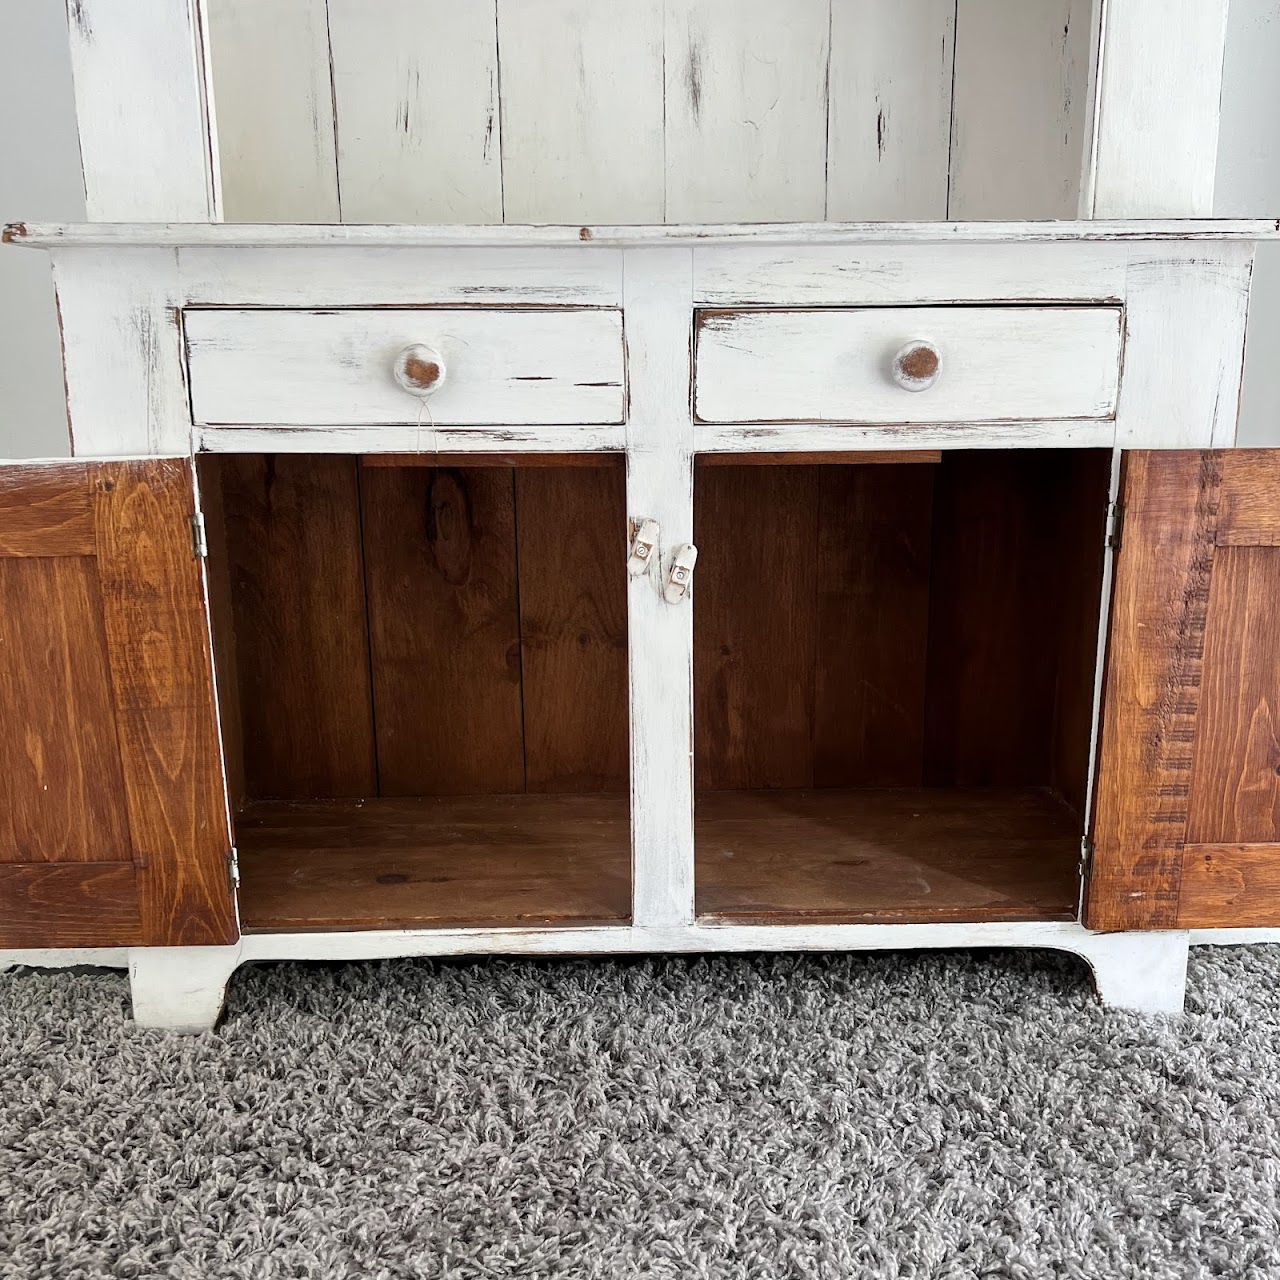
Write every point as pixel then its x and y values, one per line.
pixel 916 366
pixel 419 370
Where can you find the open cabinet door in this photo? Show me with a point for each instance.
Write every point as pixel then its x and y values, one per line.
pixel 1187 813
pixel 113 819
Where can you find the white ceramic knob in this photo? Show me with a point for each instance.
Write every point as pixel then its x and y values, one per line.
pixel 419 370
pixel 917 365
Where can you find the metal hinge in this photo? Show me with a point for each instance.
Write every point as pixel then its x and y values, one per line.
pixel 1115 524
pixel 1086 855
pixel 199 538
pixel 233 868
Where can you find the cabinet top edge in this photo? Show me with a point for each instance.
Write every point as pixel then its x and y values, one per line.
pixel 48 235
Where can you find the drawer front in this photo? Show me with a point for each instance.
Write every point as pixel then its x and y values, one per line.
pixel 994 364
pixel 490 366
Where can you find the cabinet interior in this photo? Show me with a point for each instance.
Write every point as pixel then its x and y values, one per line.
pixel 893 685
pixel 423 686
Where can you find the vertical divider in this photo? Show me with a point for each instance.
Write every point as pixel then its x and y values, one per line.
pixel 658 300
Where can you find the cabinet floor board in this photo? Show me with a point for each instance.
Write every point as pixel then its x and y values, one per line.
pixel 489 861
pixel 889 856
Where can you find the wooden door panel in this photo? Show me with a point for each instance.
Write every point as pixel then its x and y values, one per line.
pixel 113 819
pixel 1187 814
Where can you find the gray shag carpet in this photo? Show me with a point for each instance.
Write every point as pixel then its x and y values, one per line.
pixel 915 1115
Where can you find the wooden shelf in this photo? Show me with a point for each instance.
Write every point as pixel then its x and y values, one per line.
pixel 885 856
pixel 518 860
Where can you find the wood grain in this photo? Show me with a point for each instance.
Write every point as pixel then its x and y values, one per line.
pixel 617 459
pixel 45 510
pixel 81 904
pixel 873 557
pixel 1229 885
pixel 444 627
pixel 573 628
pixel 162 681
pixel 845 458
pixel 1160 597
pixel 754 626
pixel 61 788
pixel 487 860
pixel 1235 782
pixel 302 646
pixel 891 856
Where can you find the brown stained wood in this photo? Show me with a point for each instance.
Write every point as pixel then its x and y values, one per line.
pixel 573 627
pixel 478 860
pixel 440 564
pixel 222 621
pixel 840 458
pixel 81 904
pixel 888 856
pixel 162 681
pixel 1160 599
pixel 45 510
pixel 302 648
pixel 754 626
pixel 1079 558
pixel 872 625
pixel 469 460
pixel 1248 502
pixel 989 699
pixel 61 787
pixel 1235 778
pixel 1230 886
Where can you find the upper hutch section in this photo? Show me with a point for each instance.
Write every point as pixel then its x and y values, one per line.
pixel 646 111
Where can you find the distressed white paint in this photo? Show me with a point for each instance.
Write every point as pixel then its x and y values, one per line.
pixel 1184 348
pixel 1144 972
pixel 65 957
pixel 889 115
pixel 1156 113
pixel 1020 122
pixel 998 364
pixel 582 117
pixel 180 989
pixel 274 107
pixel 412 439
pixel 1233 937
pixel 746 109
pixel 145 135
pixel 302 368
pixel 827 437
pixel 656 293
pixel 122 352
pixel 415 92
pixel 848 234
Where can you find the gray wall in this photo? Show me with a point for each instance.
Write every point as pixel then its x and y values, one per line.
pixel 40 180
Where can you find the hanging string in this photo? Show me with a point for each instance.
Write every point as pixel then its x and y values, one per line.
pixel 432 442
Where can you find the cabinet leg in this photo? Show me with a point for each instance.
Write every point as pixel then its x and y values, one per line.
pixel 180 989
pixel 1145 972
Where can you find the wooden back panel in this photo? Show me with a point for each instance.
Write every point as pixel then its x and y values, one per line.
pixel 1187 813
pixel 113 816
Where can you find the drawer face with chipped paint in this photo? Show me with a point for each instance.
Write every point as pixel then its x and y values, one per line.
pixel 400 366
pixel 907 365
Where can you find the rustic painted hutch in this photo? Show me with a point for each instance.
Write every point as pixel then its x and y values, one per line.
pixel 556 476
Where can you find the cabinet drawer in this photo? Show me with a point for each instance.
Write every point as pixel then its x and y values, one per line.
pixel 838 365
pixel 540 366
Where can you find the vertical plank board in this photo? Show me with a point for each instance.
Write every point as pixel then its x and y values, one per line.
pixel 415 92
pixel 444 629
pixel 145 134
pixel 874 542
pixel 889 132
pixel 746 110
pixel 1235 778
pixel 582 113
pixel 1019 115
pixel 991 672
pixel 658 297
pixel 1160 597
pixel 754 631
pixel 301 631
pixel 573 627
pixel 162 682
pixel 1155 136
pixel 61 787
pixel 1082 483
pixel 274 105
